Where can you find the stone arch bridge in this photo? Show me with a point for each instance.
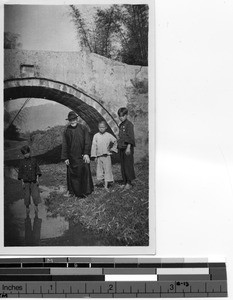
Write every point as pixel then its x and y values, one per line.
pixel 91 85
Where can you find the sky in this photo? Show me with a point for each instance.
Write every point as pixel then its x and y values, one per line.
pixel 46 27
pixel 42 27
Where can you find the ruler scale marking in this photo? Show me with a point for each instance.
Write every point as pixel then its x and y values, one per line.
pixel 64 277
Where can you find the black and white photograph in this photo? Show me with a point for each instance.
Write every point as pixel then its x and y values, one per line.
pixel 117 136
pixel 78 124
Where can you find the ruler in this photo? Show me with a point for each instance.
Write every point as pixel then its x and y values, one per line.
pixel 80 277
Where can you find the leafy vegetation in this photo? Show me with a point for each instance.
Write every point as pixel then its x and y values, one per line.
pixel 11 40
pixel 12 133
pixel 118 32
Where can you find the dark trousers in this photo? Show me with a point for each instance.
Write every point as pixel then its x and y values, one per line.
pixel 127 166
pixel 31 189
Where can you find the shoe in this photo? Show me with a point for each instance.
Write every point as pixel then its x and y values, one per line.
pixel 67 194
pixel 106 189
pixel 128 186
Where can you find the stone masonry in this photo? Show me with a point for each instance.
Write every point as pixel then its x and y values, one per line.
pixel 92 85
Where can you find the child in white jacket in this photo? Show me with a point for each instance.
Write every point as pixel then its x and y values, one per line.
pixel 103 145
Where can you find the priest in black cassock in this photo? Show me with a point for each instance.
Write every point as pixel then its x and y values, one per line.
pixel 76 147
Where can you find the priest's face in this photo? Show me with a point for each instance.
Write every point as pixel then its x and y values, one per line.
pixel 73 122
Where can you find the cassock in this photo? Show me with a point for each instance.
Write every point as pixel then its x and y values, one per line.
pixel 76 143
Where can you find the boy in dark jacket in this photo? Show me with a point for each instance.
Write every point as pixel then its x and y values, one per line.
pixel 126 144
pixel 29 173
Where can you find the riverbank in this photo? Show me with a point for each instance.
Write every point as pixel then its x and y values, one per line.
pixel 118 217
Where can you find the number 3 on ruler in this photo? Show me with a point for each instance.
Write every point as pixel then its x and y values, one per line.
pixel 172 287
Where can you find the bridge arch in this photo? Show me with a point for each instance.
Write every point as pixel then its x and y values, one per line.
pixel 87 107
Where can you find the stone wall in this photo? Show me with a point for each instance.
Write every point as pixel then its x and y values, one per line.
pixel 112 83
pixel 103 78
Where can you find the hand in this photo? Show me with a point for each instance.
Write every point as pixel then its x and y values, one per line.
pixel 67 162
pixel 86 159
pixel 127 151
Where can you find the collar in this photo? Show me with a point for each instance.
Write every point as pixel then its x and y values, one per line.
pixel 125 121
pixel 73 127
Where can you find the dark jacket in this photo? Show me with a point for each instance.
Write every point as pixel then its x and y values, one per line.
pixel 29 169
pixel 126 134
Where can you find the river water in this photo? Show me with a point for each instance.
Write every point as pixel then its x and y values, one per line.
pixel 43 229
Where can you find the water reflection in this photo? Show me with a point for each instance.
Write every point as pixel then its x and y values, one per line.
pixel 32 231
pixel 37 226
pixel 43 229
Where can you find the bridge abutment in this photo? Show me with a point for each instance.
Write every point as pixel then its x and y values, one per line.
pixel 93 86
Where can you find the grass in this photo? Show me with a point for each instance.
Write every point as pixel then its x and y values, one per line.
pixel 120 217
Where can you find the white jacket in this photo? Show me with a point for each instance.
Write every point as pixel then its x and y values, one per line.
pixel 103 144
